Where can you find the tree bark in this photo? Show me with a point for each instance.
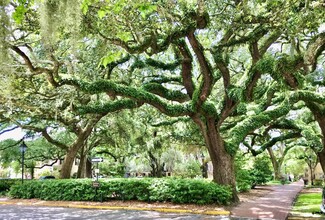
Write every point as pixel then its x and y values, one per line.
pixel 321 122
pixel 32 172
pixel 276 164
pixel 82 164
pixel 88 168
pixel 222 161
pixel 204 168
pixel 66 168
pixel 156 167
pixel 83 134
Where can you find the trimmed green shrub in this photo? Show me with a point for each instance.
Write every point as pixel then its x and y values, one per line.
pixel 261 171
pixel 144 189
pixel 318 182
pixel 5 185
pixel 244 180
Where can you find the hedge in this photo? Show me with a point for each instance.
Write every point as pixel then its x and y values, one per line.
pixel 144 189
pixel 5 185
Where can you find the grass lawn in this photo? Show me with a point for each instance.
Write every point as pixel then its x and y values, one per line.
pixel 276 182
pixel 308 202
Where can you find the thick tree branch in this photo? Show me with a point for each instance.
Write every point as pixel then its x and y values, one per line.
pixel 186 68
pixel 160 90
pixel 314 50
pixel 51 74
pixel 112 106
pixel 59 144
pixel 45 165
pixel 137 94
pixel 206 71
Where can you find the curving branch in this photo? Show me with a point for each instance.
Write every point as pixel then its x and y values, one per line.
pixel 8 130
pixel 114 64
pixel 59 144
pixel 240 131
pixel 314 50
pixel 171 122
pixel 45 165
pixel 206 70
pixel 161 65
pixel 168 94
pixel 139 95
pixel 28 62
pixel 51 73
pixel 112 106
pixel 186 68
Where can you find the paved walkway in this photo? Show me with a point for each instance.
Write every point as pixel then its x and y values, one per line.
pixel 274 205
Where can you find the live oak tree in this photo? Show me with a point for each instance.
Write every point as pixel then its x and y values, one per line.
pixel 296 129
pixel 28 98
pixel 49 124
pixel 204 57
pixel 210 62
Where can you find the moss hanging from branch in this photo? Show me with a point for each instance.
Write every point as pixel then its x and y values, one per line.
pixel 56 15
pixel 4 21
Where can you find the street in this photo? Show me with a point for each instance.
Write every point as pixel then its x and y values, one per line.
pixel 38 212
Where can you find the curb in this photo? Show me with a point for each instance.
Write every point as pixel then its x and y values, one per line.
pixel 166 210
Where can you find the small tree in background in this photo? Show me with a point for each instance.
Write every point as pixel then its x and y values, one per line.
pixel 261 171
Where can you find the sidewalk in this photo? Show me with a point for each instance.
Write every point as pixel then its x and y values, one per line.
pixel 274 205
pixel 119 205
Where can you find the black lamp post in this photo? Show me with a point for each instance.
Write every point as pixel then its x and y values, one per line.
pixel 311 170
pixel 204 168
pixel 22 148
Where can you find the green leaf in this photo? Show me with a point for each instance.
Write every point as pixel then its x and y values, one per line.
pixel 146 9
pixel 110 58
pixel 101 14
pixel 19 13
pixel 85 5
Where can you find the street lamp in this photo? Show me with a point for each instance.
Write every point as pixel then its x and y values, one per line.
pixel 22 149
pixel 311 170
pixel 204 168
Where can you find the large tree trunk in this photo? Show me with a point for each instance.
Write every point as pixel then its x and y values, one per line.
pixel 156 167
pixel 204 169
pixel 82 164
pixel 66 168
pixel 83 134
pixel 321 155
pixel 222 161
pixel 88 169
pixel 223 167
pixel 32 172
pixel 276 165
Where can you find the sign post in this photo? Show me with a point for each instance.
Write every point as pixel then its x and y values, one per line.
pixel 96 184
pixel 97 160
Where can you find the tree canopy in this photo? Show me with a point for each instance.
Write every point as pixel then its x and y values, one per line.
pixel 232 67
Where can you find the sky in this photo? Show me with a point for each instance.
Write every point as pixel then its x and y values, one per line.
pixel 16 134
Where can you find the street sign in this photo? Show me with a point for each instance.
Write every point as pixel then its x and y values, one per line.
pixel 96 184
pixel 97 160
